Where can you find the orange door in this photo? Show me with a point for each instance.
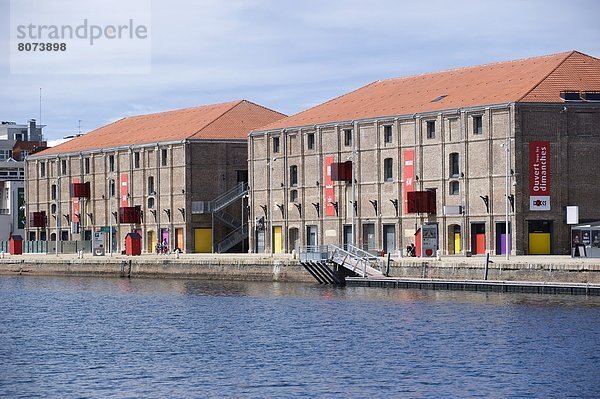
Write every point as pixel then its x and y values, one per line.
pixel 480 244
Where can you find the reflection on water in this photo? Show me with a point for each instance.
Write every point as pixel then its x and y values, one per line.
pixel 97 337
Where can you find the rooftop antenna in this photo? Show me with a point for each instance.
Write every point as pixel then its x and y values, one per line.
pixel 79 131
pixel 41 130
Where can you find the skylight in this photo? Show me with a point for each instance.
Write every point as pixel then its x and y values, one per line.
pixel 435 100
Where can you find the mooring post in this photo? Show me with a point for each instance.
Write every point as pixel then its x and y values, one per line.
pixel 387 266
pixel 487 265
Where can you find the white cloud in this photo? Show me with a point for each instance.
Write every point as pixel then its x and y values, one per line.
pixel 289 55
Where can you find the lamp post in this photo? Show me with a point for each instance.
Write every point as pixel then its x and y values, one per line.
pixel 243 220
pixel 270 169
pixel 507 237
pixel 354 206
pixel 110 186
pixel 58 215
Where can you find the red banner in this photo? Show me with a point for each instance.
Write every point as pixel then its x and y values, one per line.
pixel 539 176
pixel 409 173
pixel 124 190
pixel 75 211
pixel 329 189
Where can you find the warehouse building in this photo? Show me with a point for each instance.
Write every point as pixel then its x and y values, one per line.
pixel 178 178
pixel 473 160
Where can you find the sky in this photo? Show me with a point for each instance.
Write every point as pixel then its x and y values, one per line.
pixel 289 55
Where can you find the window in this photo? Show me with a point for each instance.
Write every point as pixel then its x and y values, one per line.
pixel 241 176
pixel 388 169
pixel 111 163
pixel 63 167
pixel 24 154
pixel 310 141
pixel 150 185
pixel 164 157
pixel 53 192
pixel 454 165
pixel 112 188
pixel 430 129
pixel 454 188
pixel 53 209
pixel 150 202
pixel 387 134
pixel 477 125
pixel 347 137
pixel 42 169
pixel 275 144
pixel 136 160
pixel 86 165
pixel 293 175
pixel 293 195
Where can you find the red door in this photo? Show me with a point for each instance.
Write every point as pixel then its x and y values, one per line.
pixel 480 243
pixel 418 242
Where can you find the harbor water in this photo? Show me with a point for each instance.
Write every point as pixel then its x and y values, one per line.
pixel 76 337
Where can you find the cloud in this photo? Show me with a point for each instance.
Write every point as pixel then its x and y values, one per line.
pixel 291 55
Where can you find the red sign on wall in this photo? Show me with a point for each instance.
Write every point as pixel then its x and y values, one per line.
pixel 409 173
pixel 124 190
pixel 329 195
pixel 539 176
pixel 75 211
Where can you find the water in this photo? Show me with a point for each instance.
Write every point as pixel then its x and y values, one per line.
pixel 119 338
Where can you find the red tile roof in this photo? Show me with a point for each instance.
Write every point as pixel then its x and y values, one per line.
pixel 227 121
pixel 538 79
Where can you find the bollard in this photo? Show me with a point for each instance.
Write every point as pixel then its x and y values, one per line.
pixel 487 265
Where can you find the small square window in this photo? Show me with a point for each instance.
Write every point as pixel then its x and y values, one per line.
pixel 387 134
pixel 293 195
pixel 430 129
pixel 477 125
pixel 275 144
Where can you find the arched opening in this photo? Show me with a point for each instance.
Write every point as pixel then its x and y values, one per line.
pixel 454 239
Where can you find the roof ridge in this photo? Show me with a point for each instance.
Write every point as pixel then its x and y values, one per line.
pixel 568 55
pixel 263 107
pixel 236 103
pixel 182 109
pixel 319 105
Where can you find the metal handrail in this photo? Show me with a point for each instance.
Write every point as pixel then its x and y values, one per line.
pixel 233 237
pixel 360 252
pixel 225 199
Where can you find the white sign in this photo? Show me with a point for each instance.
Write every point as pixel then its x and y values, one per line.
pixel 539 203
pixel 429 239
pixel 572 215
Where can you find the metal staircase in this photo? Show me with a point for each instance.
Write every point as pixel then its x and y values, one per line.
pixel 217 207
pixel 325 263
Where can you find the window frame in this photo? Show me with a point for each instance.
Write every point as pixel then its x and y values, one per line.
pixel 276 144
pixel 348 137
pixel 454 164
pixel 388 135
pixel 430 129
pixel 310 141
pixel 454 188
pixel 293 175
pixel 477 125
pixel 388 170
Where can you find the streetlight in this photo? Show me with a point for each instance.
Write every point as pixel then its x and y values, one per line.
pixel 57 242
pixel 243 197
pixel 111 181
pixel 507 237
pixel 270 170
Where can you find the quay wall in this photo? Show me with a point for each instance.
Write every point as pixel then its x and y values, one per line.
pixel 287 269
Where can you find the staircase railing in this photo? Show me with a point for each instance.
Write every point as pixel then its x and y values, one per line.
pixel 359 261
pixel 228 197
pixel 231 239
pixel 228 219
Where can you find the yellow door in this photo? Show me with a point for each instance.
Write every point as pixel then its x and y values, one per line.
pixel 203 240
pixel 456 243
pixel 150 241
pixel 278 242
pixel 539 243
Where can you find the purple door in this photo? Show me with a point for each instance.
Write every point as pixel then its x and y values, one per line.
pixel 164 237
